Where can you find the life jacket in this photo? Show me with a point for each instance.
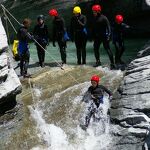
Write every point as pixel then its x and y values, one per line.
pixel 15 50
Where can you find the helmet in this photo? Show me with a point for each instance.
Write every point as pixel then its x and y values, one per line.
pixel 40 17
pixel 77 10
pixel 96 8
pixel 119 19
pixel 53 12
pixel 95 78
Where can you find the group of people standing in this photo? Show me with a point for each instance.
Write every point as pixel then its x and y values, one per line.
pixel 100 33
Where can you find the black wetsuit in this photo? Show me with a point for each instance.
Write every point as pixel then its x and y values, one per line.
pixel 77 27
pixel 118 40
pixel 96 95
pixel 58 35
pixel 101 33
pixel 23 47
pixel 41 35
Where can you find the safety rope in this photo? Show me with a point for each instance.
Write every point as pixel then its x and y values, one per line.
pixel 59 65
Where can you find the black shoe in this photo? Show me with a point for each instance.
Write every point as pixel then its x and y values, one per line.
pixel 26 75
pixel 98 63
pixel 42 65
pixel 112 67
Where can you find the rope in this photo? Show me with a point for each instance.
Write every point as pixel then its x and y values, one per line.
pixel 59 65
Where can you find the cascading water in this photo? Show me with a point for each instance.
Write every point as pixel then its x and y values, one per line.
pixel 52 116
pixel 63 132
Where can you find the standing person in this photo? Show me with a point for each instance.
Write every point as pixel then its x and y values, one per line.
pixel 94 96
pixel 117 36
pixel 79 34
pixel 41 35
pixel 101 34
pixel 59 31
pixel 23 37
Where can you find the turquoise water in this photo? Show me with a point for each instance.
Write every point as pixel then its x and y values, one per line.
pixel 132 47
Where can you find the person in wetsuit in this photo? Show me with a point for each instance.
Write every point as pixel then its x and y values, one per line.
pixel 117 37
pixel 95 94
pixel 24 54
pixel 59 30
pixel 78 34
pixel 41 36
pixel 101 32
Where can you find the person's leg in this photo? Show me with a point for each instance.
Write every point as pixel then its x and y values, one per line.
pixel 84 51
pixel 109 52
pixel 62 47
pixel 78 47
pixel 21 65
pixel 26 63
pixel 39 54
pixel 97 43
pixel 122 49
pixel 43 55
pixel 117 52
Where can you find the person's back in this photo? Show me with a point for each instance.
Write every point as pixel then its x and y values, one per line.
pixel 24 54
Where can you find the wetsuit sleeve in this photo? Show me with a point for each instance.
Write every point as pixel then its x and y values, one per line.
pixel 72 29
pixel 63 25
pixel 84 21
pixel 106 90
pixel 108 27
pixel 125 26
pixel 25 34
pixel 46 33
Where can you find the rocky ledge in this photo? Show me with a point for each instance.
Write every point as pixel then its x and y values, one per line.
pixel 130 110
pixel 10 84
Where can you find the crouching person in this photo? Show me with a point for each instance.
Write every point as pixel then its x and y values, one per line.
pixel 95 95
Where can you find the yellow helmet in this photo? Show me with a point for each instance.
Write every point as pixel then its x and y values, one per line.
pixel 77 10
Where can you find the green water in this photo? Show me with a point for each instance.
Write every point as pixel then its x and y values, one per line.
pixel 132 46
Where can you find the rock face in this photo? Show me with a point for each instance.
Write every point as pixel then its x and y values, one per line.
pixel 130 110
pixel 10 84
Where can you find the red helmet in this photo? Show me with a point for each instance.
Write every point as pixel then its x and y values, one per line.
pixel 119 19
pixel 95 78
pixel 96 8
pixel 53 12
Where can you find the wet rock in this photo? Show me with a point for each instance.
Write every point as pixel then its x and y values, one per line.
pixel 10 84
pixel 131 109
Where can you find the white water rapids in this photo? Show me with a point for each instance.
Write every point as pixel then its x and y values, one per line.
pixel 96 137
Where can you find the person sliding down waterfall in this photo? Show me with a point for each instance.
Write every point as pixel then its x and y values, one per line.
pixel 94 95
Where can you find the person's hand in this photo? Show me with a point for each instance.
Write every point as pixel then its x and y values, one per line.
pixel 110 97
pixel 93 97
pixel 47 44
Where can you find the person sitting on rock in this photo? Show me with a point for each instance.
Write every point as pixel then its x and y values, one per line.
pixel 95 93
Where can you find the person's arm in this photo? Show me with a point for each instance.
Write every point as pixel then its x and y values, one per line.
pixel 108 28
pixel 106 90
pixel 84 21
pixel 125 26
pixel 72 29
pixel 63 25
